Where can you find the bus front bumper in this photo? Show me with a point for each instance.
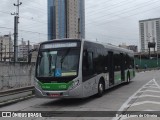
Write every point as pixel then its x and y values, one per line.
pixel 71 93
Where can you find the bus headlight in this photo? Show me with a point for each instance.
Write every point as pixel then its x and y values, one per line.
pixel 37 83
pixel 75 84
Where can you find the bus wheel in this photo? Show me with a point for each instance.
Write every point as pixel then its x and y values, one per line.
pixel 100 88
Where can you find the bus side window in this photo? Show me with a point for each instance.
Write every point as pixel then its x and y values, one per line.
pixel 90 61
pixel 87 67
pixel 85 60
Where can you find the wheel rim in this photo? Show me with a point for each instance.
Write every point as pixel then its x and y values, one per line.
pixel 128 79
pixel 101 88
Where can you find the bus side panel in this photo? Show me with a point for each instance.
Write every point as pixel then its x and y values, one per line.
pixel 90 87
pixel 111 68
pixel 93 67
pixel 88 77
pixel 122 59
pixel 117 68
pixel 129 64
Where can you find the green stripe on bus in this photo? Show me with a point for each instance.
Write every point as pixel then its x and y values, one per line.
pixel 126 74
pixel 132 73
pixel 117 76
pixel 55 86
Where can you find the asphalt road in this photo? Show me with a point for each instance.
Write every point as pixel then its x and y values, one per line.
pixel 142 94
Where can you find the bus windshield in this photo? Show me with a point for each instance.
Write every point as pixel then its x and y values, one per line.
pixel 58 63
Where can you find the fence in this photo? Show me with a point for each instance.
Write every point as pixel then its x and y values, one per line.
pixel 151 63
pixel 16 75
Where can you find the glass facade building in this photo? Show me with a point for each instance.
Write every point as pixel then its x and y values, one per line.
pixel 82 17
pixel 61 19
pixel 51 20
pixel 66 19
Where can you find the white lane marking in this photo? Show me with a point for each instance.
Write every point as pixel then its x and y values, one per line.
pixel 125 104
pixel 156 83
pixel 143 102
pixel 146 96
pixel 131 97
pixel 151 81
pixel 150 91
pixel 151 87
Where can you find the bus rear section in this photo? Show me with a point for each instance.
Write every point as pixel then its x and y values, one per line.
pixel 58 70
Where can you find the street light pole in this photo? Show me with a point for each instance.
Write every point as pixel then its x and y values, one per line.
pixel 157 59
pixel 5 53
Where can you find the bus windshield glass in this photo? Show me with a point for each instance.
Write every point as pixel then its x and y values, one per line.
pixel 58 62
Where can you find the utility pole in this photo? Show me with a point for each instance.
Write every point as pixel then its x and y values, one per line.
pixel 5 54
pixel 9 47
pixel 16 21
pixel 79 31
pixel 29 53
pixel 28 46
pixel 22 47
pixel 1 49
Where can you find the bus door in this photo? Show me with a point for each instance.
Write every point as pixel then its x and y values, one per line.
pixel 122 56
pixel 111 68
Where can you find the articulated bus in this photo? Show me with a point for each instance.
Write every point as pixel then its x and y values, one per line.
pixel 77 68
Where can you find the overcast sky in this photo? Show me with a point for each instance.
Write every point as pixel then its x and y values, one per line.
pixel 109 21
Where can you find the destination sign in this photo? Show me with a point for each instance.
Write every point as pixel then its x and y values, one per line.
pixel 59 45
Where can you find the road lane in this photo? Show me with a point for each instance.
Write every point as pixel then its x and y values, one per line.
pixel 112 100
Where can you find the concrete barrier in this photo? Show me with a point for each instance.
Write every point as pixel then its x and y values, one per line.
pixel 16 75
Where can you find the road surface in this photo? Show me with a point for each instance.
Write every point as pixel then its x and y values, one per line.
pixel 142 94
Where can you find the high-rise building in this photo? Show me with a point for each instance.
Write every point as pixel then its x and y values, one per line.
pixel 23 50
pixel 51 10
pixel 6 48
pixel 66 19
pixel 134 48
pixel 149 33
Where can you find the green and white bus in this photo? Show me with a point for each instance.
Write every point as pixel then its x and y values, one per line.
pixel 77 68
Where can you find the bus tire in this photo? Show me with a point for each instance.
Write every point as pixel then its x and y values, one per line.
pixel 101 88
pixel 128 77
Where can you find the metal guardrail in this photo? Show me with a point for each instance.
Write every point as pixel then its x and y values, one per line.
pixel 14 95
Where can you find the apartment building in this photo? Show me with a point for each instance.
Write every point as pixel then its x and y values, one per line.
pixel 149 33
pixel 6 48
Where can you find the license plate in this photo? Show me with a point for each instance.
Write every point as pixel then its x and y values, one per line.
pixel 54 95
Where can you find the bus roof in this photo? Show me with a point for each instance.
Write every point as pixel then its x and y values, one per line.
pixel 105 45
pixel 112 47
